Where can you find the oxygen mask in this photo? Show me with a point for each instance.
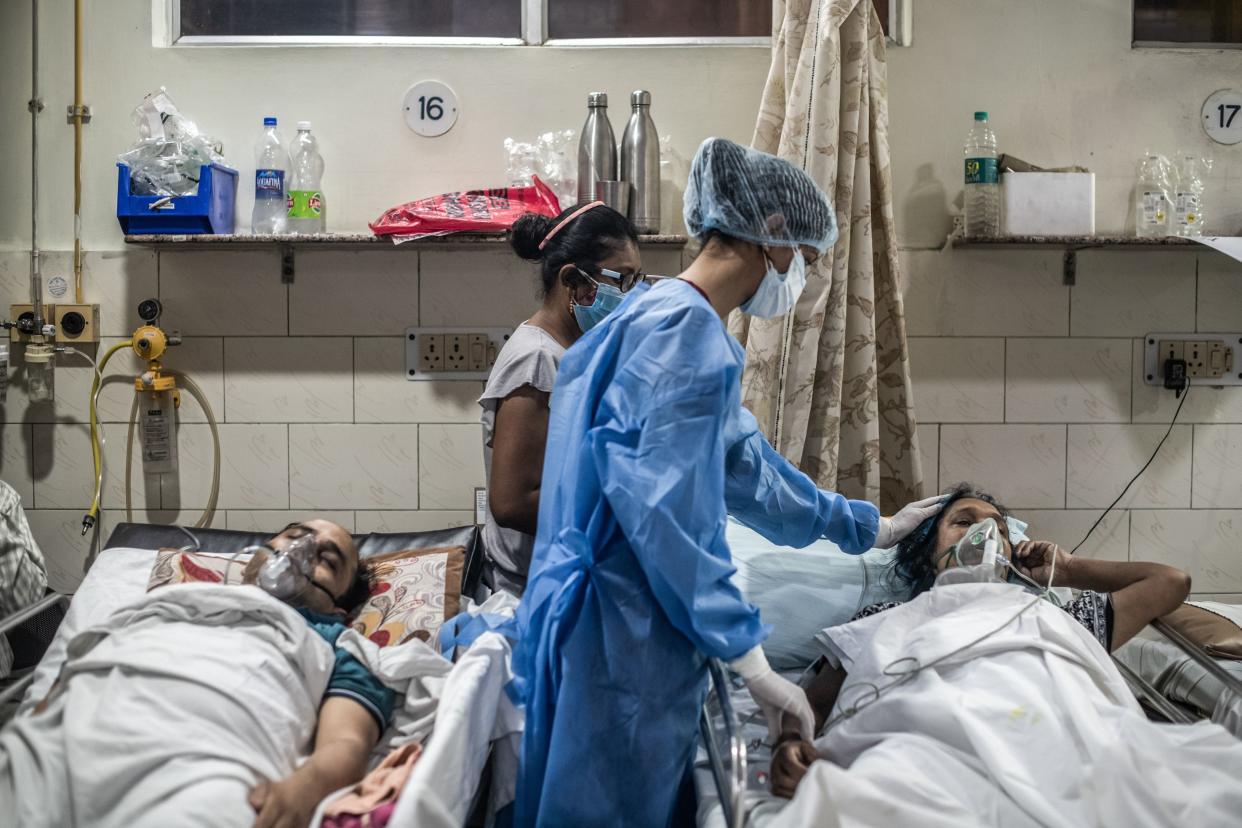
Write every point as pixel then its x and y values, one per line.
pixel 286 573
pixel 979 557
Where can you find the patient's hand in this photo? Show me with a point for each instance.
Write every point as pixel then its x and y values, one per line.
pixel 1034 559
pixel 790 761
pixel 289 803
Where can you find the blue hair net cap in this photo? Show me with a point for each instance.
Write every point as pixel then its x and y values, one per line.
pixel 750 195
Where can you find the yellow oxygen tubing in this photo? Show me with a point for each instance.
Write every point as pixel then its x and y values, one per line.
pixel 91 517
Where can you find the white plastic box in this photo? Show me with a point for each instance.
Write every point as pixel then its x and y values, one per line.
pixel 1048 204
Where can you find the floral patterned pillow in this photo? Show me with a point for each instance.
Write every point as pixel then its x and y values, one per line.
pixel 172 566
pixel 413 592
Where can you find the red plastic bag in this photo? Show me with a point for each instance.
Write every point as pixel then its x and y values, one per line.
pixel 475 211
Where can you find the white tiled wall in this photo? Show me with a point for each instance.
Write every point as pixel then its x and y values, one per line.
pixel 307 382
pixel 1023 385
pixel 1034 390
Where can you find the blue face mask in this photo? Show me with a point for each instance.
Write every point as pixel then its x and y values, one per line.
pixel 607 298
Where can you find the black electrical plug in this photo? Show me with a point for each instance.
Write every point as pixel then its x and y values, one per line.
pixel 1176 378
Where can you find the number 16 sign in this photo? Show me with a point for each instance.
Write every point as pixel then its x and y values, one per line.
pixel 1221 119
pixel 431 108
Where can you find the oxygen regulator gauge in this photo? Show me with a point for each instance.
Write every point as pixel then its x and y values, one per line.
pixel 150 310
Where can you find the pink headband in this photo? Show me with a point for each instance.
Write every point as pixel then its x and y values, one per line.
pixel 558 228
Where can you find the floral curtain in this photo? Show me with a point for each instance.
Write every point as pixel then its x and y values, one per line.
pixel 830 383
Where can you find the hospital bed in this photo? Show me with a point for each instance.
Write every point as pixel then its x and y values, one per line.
pixel 448 773
pixel 1173 678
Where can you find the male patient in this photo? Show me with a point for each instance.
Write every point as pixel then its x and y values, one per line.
pixel 194 705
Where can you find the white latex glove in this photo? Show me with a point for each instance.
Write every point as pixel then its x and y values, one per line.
pixel 774 695
pixel 907 520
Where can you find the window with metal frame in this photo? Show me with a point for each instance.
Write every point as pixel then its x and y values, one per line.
pixel 1188 23
pixel 350 18
pixel 686 19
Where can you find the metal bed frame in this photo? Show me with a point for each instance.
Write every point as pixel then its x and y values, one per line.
pixel 18 688
pixel 731 783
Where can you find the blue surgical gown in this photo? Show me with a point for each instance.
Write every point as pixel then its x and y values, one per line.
pixel 630 585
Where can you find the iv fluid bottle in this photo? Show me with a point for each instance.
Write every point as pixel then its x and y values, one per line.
pixel 640 165
pixel 597 149
pixel 1191 177
pixel 1151 197
pixel 270 163
pixel 306 202
pixel 157 430
pixel 982 180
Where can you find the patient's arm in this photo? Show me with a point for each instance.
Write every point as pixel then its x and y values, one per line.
pixel 792 757
pixel 1140 592
pixel 343 741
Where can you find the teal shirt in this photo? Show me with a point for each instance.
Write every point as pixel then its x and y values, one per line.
pixel 350 677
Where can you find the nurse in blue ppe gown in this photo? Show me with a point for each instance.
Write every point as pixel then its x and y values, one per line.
pixel 648 449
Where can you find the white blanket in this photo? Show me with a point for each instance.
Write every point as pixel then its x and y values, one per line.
pixel 1032 726
pixel 169 714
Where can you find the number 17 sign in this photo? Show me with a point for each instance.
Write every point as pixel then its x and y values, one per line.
pixel 1221 119
pixel 430 108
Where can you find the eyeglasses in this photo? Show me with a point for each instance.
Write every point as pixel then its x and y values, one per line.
pixel 625 280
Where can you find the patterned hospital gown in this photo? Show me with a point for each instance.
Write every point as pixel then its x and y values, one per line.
pixel 1094 610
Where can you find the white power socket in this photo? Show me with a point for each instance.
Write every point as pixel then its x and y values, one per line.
pixel 452 353
pixel 1211 358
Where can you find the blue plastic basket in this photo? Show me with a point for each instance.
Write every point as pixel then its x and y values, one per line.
pixel 210 210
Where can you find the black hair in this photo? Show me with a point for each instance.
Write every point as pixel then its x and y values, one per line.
pixel 359 589
pixel 584 242
pixel 913 566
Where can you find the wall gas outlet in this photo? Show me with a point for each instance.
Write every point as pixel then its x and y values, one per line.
pixel 18 311
pixel 76 323
pixel 1211 359
pixel 452 353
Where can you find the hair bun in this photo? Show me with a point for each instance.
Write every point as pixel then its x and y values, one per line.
pixel 528 233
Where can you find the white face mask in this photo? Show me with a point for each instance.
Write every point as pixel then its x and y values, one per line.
pixel 778 292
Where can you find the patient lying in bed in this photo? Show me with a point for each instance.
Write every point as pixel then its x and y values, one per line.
pixel 194 705
pixel 956 708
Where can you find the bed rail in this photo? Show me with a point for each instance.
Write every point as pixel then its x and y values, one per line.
pixel 1199 656
pixel 1143 691
pixel 18 687
pixel 730 784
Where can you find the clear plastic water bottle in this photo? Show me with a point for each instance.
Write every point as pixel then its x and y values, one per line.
pixel 270 164
pixel 982 180
pixel 1152 196
pixel 306 208
pixel 1191 180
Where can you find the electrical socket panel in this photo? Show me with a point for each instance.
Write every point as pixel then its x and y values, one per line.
pixel 452 353
pixel 1211 359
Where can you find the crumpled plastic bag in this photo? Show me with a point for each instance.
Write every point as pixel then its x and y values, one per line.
pixel 553 157
pixel 473 211
pixel 170 150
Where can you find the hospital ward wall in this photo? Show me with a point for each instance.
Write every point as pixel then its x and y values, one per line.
pixel 307 380
pixel 1032 388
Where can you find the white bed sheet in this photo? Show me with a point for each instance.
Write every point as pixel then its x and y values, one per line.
pixel 445 781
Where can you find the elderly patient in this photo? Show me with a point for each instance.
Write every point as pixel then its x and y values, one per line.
pixel 194 705
pixel 964 705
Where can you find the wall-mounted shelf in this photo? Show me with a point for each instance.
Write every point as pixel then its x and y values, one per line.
pixel 286 245
pixel 1071 245
pixel 365 240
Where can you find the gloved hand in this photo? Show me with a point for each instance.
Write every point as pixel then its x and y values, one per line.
pixel 774 695
pixel 907 520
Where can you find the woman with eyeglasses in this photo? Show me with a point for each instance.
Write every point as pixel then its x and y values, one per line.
pixel 589 260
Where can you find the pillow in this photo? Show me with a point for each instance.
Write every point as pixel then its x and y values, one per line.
pixel 1212 626
pixel 172 566
pixel 413 592
pixel 801 591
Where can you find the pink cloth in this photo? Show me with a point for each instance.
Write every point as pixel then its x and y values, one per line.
pixel 371 802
